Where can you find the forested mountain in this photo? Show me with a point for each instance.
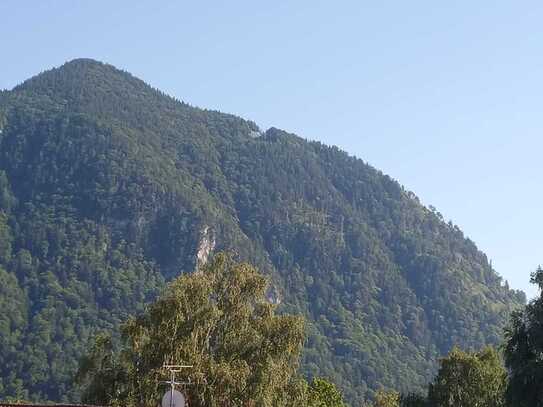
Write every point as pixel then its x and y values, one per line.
pixel 109 188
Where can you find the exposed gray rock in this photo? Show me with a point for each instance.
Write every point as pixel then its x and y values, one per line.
pixel 205 247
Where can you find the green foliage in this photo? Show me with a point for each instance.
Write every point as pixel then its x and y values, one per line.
pixel 524 350
pixel 217 320
pixel 101 373
pixel 387 399
pixel 469 379
pixel 464 379
pixel 109 188
pixel 322 393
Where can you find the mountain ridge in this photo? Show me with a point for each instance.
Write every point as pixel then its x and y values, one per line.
pixel 106 187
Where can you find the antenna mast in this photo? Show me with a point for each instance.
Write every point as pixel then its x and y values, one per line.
pixel 173 369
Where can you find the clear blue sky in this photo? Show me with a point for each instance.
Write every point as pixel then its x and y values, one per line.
pixel 446 97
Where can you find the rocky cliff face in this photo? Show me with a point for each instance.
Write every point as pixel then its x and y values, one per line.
pixel 205 247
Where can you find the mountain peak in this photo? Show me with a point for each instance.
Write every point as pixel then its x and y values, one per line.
pixel 102 91
pixel 77 73
pixel 108 187
pixel 85 61
pixel 90 87
pixel 86 65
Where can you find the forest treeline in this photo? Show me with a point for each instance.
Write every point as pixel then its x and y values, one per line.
pixel 110 189
pixel 221 322
pixel 508 377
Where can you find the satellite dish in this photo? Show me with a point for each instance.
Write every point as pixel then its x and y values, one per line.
pixel 173 398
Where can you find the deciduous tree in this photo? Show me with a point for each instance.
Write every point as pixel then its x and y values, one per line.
pixel 217 320
pixel 467 379
pixel 322 393
pixel 387 399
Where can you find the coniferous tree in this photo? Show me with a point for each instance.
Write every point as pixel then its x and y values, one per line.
pixel 524 350
pixel 413 400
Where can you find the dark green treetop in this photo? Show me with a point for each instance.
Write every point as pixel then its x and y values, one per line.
pixel 524 352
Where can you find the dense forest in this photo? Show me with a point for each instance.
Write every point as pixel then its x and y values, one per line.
pixel 509 376
pixel 110 188
pixel 241 352
pixel 244 354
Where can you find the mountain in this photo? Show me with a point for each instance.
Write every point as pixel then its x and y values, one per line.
pixel 109 188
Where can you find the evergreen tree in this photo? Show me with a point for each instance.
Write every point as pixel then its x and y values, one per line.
pixel 524 352
pixel 413 400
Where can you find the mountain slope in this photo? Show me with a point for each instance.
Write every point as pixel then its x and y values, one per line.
pixel 108 188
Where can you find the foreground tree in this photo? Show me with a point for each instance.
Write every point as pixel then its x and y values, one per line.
pixel 524 352
pixel 218 320
pixel 387 399
pixel 468 379
pixel 321 393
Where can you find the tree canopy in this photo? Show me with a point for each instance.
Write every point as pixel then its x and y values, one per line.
pixel 387 399
pixel 468 379
pixel 322 393
pixel 218 320
pixel 110 188
pixel 464 379
pixel 482 378
pixel 524 352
